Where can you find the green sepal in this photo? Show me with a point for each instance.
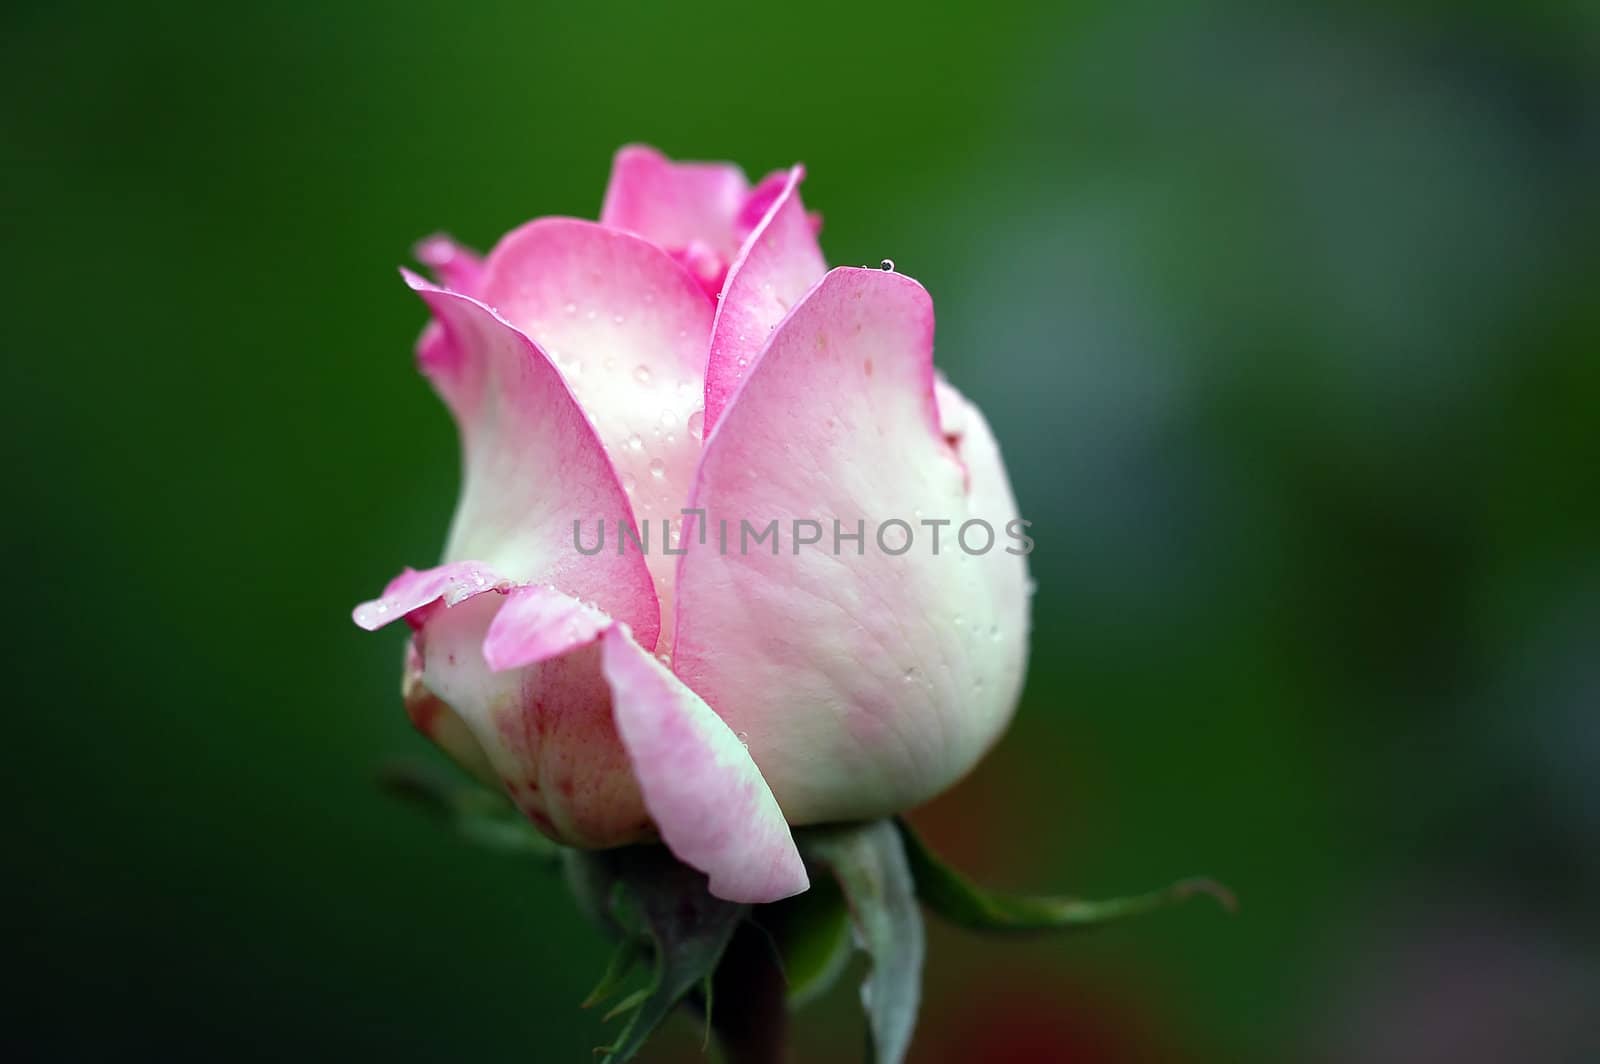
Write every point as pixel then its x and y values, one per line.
pixel 473 812
pixel 629 952
pixel 810 938
pixel 965 904
pixel 868 861
pixel 652 898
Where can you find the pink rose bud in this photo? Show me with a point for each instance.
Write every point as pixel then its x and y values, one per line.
pixel 839 629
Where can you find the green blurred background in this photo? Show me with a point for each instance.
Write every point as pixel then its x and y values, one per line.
pixel 1286 318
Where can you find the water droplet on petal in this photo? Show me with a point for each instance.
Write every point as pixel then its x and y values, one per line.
pixel 635 442
pixel 571 308
pixel 697 424
pixel 658 468
pixel 669 420
pixel 642 374
pixel 628 483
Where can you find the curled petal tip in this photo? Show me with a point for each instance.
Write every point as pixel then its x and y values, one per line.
pixel 416 282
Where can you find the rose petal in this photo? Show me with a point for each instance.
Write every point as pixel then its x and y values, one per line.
pixel 546 727
pixel 865 683
pixel 539 623
pixel 708 799
pixel 628 329
pixel 415 589
pixel 674 204
pixel 457 267
pixel 537 480
pixel 779 263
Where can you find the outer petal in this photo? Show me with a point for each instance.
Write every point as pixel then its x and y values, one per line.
pixel 675 205
pixel 708 799
pixel 457 267
pixel 413 590
pixel 533 465
pixel 628 328
pixel 779 263
pixel 546 727
pixel 865 682
pixel 592 737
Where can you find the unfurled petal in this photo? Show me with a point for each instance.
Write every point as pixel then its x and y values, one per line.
pixel 674 205
pixel 415 589
pixel 537 624
pixel 537 480
pixel 628 328
pixel 456 266
pixel 706 795
pixel 545 727
pixel 865 682
pixel 778 264
pixel 592 737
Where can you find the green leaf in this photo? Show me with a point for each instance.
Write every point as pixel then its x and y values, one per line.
pixel 478 815
pixel 654 896
pixel 965 904
pixel 869 863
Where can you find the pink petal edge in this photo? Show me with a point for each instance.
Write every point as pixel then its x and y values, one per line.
pixel 779 263
pixel 709 800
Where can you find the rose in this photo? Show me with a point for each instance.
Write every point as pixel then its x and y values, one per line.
pixel 691 351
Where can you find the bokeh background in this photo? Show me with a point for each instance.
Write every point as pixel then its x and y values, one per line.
pixel 1285 316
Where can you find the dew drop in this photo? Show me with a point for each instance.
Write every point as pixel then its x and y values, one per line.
pixel 658 468
pixel 571 309
pixel 635 442
pixel 617 319
pixel 669 420
pixel 697 424
pixel 642 374
pixel 629 483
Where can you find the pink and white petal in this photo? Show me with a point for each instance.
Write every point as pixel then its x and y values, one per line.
pixel 628 327
pixel 457 266
pixel 534 469
pixel 864 683
pixel 546 728
pixel 431 716
pixel 538 623
pixel 779 263
pixel 674 204
pixel 415 589
pixel 708 799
